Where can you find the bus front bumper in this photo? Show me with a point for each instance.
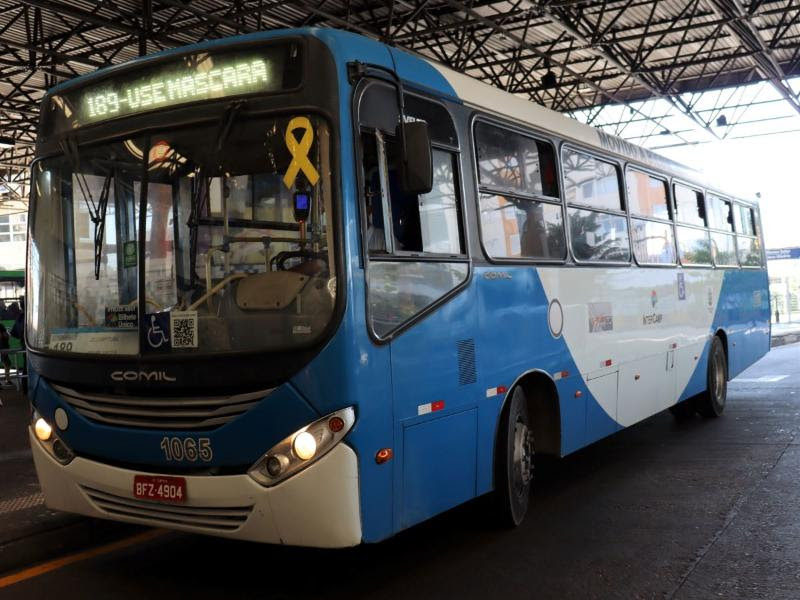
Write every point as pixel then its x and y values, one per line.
pixel 318 506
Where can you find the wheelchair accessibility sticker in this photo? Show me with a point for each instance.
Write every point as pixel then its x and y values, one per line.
pixel 158 331
pixel 175 329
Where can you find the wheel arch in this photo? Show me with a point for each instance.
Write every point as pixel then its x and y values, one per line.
pixel 544 408
pixel 723 337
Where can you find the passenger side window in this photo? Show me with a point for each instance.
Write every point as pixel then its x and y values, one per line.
pixel 509 161
pixel 647 195
pixel 590 181
pixel 694 248
pixel 720 215
pixel 720 222
pixel 653 236
pixel 747 242
pixel 425 223
pixel 689 206
pixel 520 209
pixel 599 233
pixel 694 245
pixel 745 221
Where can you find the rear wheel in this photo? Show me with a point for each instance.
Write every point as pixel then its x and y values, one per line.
pixel 514 468
pixel 711 403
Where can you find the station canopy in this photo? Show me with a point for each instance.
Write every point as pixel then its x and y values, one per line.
pixel 656 72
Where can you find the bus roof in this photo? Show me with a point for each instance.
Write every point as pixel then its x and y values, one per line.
pixel 509 106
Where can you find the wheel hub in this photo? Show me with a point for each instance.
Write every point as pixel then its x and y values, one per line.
pixel 523 454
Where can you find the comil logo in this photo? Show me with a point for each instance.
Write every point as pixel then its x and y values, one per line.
pixel 141 376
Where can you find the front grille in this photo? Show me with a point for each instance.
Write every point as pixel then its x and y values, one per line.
pixel 217 518
pixel 160 412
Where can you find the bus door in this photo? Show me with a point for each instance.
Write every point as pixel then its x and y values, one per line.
pixel 417 270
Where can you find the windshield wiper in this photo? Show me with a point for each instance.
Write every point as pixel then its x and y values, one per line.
pixel 97 211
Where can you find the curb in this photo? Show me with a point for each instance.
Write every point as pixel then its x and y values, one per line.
pixel 782 340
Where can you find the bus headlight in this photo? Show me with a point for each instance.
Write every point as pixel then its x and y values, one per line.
pixel 305 446
pixel 50 441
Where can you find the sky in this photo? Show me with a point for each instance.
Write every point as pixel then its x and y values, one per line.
pixel 768 165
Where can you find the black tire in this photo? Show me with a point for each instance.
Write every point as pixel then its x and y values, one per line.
pixel 683 411
pixel 711 403
pixel 514 460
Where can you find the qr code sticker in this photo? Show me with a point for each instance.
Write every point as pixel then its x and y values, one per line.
pixel 183 329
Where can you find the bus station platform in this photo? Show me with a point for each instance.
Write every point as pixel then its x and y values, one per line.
pixel 677 509
pixel 785 333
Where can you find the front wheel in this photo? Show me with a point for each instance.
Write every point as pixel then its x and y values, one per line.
pixel 514 460
pixel 711 403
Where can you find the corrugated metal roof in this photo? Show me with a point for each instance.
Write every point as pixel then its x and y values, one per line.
pixel 601 52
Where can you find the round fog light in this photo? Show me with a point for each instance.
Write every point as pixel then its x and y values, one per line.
pixel 274 466
pixel 61 451
pixel 42 429
pixel 304 445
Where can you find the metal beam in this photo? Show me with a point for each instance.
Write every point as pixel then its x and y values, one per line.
pixel 630 70
pixel 738 23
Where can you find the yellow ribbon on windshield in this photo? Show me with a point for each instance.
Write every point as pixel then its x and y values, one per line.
pixel 299 151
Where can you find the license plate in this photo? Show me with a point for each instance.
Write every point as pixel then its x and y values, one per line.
pixel 159 488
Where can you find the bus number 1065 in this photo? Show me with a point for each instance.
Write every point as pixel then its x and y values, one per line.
pixel 190 449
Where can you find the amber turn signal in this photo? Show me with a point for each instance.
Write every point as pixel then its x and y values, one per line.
pixel 383 455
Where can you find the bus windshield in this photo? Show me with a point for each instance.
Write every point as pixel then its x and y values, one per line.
pixel 234 250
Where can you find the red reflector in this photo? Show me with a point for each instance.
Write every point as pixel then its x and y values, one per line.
pixel 578 394
pixel 438 405
pixel 608 362
pixel 336 424
pixel 383 455
pixel 501 389
pixel 564 373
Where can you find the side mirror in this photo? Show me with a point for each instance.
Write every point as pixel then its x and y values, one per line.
pixel 416 171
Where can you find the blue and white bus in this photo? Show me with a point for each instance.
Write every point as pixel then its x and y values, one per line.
pixel 301 287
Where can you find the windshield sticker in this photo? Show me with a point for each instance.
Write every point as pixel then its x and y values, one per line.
pixel 299 151
pixel 158 331
pixel 129 254
pixel 600 317
pixel 121 317
pixel 95 342
pixel 183 329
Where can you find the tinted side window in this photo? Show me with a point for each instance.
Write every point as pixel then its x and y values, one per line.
pixel 723 249
pixel 425 223
pixel 599 236
pixel 694 247
pixel 653 242
pixel 521 228
pixel 749 251
pixel 689 206
pixel 745 222
pixel 520 210
pixel 720 214
pixel 509 161
pixel 647 195
pixel 590 181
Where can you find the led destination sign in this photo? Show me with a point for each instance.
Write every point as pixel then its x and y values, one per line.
pixel 188 79
pixel 237 78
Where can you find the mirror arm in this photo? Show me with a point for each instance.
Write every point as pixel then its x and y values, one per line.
pixel 357 70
